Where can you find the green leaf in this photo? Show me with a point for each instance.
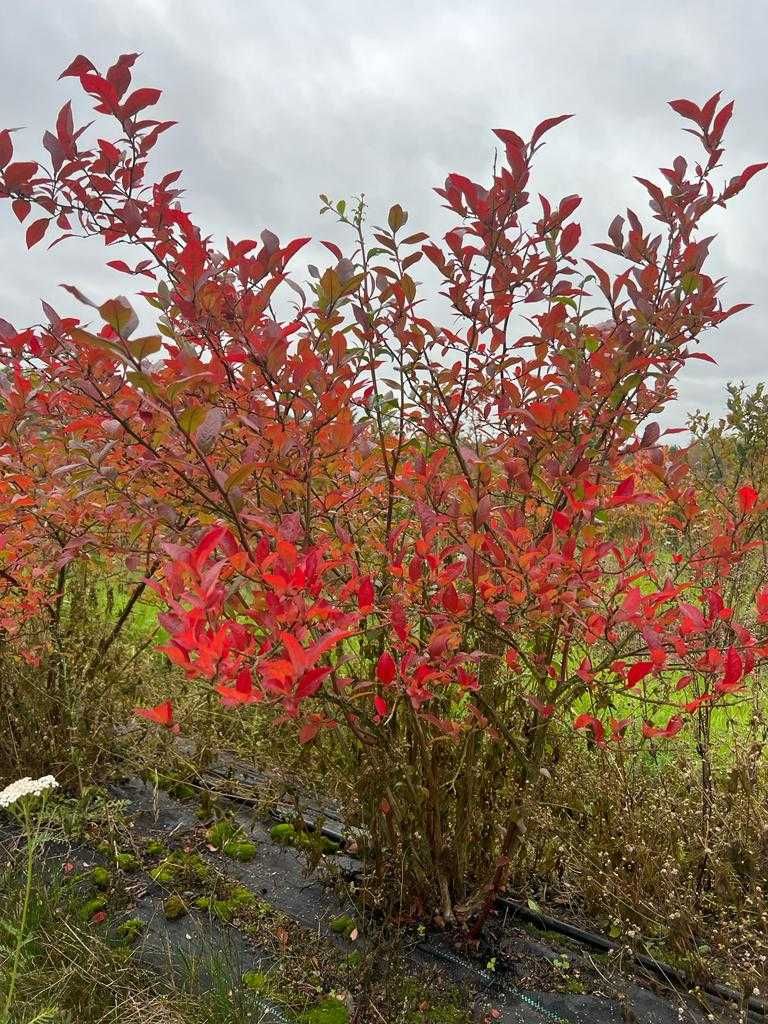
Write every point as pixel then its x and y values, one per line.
pixel 140 348
pixel 86 338
pixel 690 281
pixel 191 418
pixel 397 217
pixel 239 475
pixel 141 380
pixel 119 314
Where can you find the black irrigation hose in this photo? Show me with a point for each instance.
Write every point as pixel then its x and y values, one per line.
pixel 490 980
pixel 666 972
pixel 605 945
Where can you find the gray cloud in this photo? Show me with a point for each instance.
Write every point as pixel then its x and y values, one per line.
pixel 278 102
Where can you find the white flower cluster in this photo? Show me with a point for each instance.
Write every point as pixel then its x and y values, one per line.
pixel 26 787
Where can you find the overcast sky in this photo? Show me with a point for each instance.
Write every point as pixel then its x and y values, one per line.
pixel 279 101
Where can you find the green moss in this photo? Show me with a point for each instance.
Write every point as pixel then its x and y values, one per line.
pixel 93 906
pixel 228 837
pixel 343 925
pixel 164 873
pixel 127 862
pixel 154 848
pixel 258 982
pixel 242 850
pixel 223 909
pixel 287 835
pixel 100 877
pixel 182 791
pixel 238 900
pixel 178 788
pixel 330 1011
pixel 445 1015
pixel 180 868
pixel 575 987
pixel 222 832
pixel 284 833
pixel 242 897
pixel 323 844
pixel 130 930
pixel 412 993
pixel 174 908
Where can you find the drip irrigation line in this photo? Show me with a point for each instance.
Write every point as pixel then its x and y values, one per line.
pixel 271 1012
pixel 490 979
pixel 757 1008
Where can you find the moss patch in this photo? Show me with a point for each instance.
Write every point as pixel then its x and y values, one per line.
pixel 330 1011
pixel 130 930
pixel 93 906
pixel 128 862
pixel 343 925
pixel 174 907
pixel 100 877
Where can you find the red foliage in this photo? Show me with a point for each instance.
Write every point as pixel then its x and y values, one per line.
pixel 357 498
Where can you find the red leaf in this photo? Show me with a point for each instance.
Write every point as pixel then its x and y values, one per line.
pixel 546 125
pixel 310 682
pixel 590 722
pixel 693 620
pixel 561 520
pixel 365 594
pixel 206 546
pixel 672 728
pixel 332 247
pixel 638 672
pixel 98 86
pixel 694 705
pixel 21 208
pixel 79 67
pixel 140 99
pixel 750 172
pixel 381 705
pixel 722 119
pixel 747 498
pixel 625 489
pixel 686 109
pixel 65 125
pixel 570 238
pixel 386 669
pixel 450 598
pixel 292 248
pixel 17 174
pixel 545 710
pixel 734 670
pixel 308 731
pixel 6 147
pixel 161 713
pixel 704 356
pixel 36 230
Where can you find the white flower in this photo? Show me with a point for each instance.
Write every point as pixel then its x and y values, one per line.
pixel 26 787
